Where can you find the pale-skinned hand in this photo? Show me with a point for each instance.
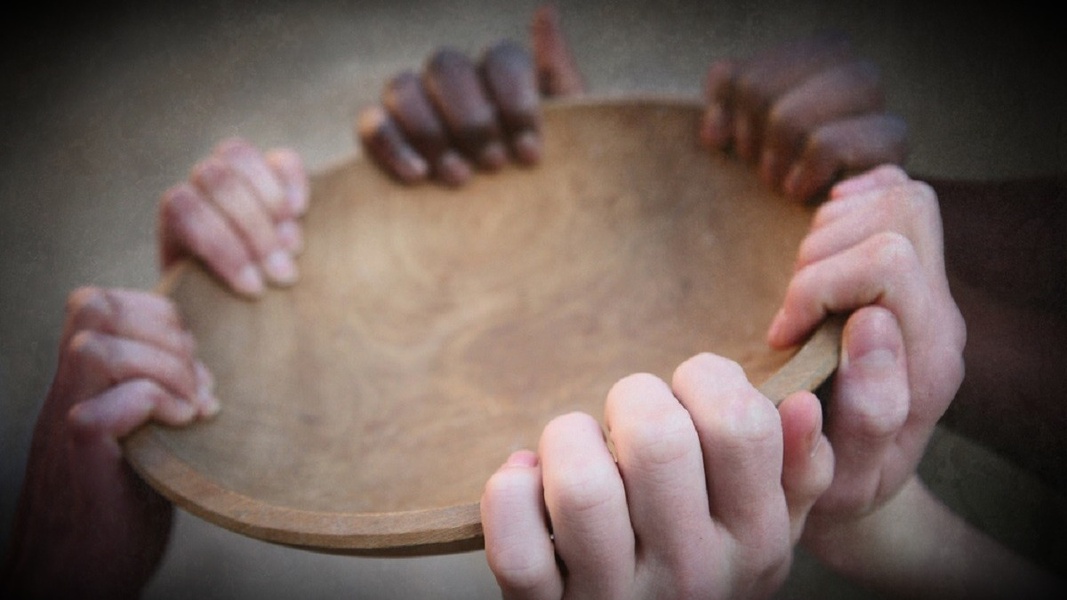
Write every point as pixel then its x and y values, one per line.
pixel 706 499
pixel 875 249
pixel 239 213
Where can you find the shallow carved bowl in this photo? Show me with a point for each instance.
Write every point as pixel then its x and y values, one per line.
pixel 436 330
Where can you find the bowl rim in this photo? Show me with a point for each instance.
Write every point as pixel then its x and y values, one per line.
pixel 440 530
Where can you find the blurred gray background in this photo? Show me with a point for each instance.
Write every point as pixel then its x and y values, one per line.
pixel 104 106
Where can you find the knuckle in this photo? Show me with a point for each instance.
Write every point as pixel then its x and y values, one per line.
pixel 582 490
pixel 86 303
pixel 91 348
pixel 893 252
pixel 705 364
pixel 878 420
pixel 658 439
pixel 784 129
pixel 520 570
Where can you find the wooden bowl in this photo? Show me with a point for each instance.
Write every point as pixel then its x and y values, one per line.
pixel 435 330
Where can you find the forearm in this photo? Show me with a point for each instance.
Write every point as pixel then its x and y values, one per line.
pixel 915 547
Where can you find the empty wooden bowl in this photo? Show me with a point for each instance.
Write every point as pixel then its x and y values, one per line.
pixel 436 330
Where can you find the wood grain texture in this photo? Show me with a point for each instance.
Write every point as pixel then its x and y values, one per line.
pixel 435 330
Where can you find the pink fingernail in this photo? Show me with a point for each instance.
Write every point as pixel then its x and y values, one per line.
pixel 280 267
pixel 453 169
pixel 290 236
pixel 249 281
pixel 494 156
pixel 711 127
pixel 522 458
pixel 528 147
pixel 815 443
pixel 791 184
pixel 413 165
pixel 774 331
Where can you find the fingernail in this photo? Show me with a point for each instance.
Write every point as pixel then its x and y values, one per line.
pixel 494 155
pixel 189 342
pixel 528 147
pixel 205 381
pixel 522 458
pixel 791 184
pixel 280 267
pixel 298 199
pixel 187 410
pixel 208 404
pixel 871 359
pixel 454 170
pixel 744 139
pixel 413 166
pixel 711 127
pixel 767 166
pixel 290 236
pixel 774 331
pixel 249 281
pixel 814 442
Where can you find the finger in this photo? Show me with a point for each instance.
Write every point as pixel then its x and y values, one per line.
pixel 190 224
pixel 840 148
pixel 140 316
pixel 454 87
pixel 249 164
pixel 518 545
pixel 662 469
pixel 765 78
pixel 883 269
pixel 290 236
pixel 867 411
pixel 587 508
pixel 247 216
pixel 807 457
pixel 878 177
pixel 408 103
pixel 98 361
pixel 841 91
pixel 289 169
pixel 557 71
pixel 909 208
pixel 509 78
pixel 740 436
pixel 385 143
pixel 717 122
pixel 119 410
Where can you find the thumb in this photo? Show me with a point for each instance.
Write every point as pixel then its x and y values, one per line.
pixel 557 72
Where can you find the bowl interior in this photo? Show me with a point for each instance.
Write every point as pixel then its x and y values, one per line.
pixel 436 330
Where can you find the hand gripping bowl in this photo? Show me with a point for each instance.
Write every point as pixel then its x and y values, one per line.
pixel 436 330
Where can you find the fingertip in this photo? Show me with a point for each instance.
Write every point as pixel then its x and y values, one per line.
pixel 289 167
pixel 522 459
pixel 776 332
pixel 249 281
pixel 291 236
pixel 527 146
pixel 207 403
pixel 792 184
pixel 280 268
pixel 453 169
pixel 383 140
pixel 872 341
pixel 801 424
pixel 493 156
